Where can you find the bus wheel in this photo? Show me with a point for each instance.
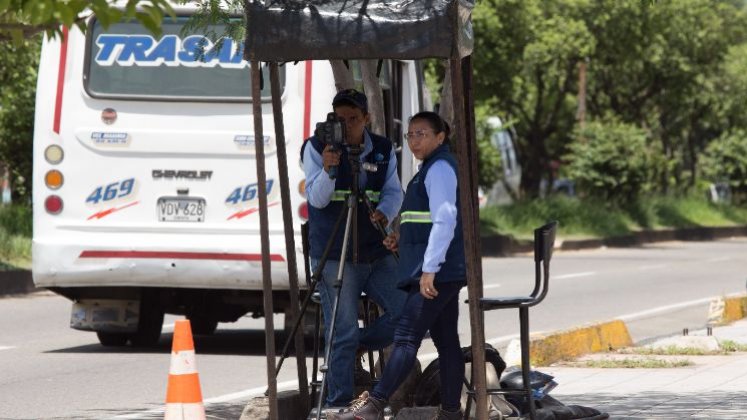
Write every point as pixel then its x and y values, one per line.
pixel 112 339
pixel 203 325
pixel 149 327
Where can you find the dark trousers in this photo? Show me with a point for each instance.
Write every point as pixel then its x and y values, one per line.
pixel 440 316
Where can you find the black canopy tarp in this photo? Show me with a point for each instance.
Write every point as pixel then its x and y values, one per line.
pixel 296 30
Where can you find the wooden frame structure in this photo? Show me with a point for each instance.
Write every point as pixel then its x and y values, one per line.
pixel 282 31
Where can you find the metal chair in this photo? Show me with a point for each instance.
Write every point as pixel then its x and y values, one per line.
pixel 544 240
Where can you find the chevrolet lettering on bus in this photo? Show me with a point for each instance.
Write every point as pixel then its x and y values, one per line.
pixel 176 174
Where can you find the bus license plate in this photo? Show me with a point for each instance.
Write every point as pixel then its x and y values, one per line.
pixel 172 209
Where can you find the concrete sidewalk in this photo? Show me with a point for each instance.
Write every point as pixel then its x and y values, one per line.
pixel 714 387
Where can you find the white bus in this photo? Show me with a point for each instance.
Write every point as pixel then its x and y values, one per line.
pixel 145 191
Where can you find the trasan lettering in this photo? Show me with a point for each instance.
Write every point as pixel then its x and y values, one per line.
pixel 170 50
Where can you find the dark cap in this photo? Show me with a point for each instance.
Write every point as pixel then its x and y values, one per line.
pixel 351 97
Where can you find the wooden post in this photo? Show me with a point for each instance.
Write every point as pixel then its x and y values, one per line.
pixel 264 234
pixel 467 152
pixel 290 243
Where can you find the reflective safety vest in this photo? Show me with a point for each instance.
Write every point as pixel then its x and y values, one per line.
pixel 415 229
pixel 322 221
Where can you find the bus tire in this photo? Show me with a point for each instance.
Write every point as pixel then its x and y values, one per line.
pixel 203 325
pixel 108 339
pixel 149 326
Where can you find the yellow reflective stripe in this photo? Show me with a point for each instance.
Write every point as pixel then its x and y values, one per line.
pixel 339 195
pixel 416 217
pixel 373 195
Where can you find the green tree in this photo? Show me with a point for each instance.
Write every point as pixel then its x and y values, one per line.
pixel 21 19
pixel 610 161
pixel 725 160
pixel 526 58
pixel 658 65
pixel 18 64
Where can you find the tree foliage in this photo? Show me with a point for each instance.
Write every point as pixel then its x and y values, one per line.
pixel 610 161
pixel 725 160
pixel 675 68
pixel 18 64
pixel 22 19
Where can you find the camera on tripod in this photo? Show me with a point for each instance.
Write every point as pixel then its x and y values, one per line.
pixel 332 132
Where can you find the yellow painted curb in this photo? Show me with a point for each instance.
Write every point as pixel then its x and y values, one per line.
pixel 735 308
pixel 570 344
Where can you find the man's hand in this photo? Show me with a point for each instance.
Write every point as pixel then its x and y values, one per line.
pixel 330 158
pixel 426 285
pixel 378 216
pixel 391 242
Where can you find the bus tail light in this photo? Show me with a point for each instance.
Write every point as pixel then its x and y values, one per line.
pixel 53 204
pixel 302 188
pixel 303 210
pixel 54 154
pixel 53 179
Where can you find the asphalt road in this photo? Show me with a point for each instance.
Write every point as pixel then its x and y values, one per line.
pixel 49 371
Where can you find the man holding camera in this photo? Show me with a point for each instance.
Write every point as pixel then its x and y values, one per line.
pixel 328 169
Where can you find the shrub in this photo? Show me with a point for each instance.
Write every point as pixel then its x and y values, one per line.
pixel 16 220
pixel 725 160
pixel 610 161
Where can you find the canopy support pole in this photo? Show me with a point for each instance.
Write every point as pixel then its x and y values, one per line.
pixel 466 151
pixel 259 147
pixel 290 244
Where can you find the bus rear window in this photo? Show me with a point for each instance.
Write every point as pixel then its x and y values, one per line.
pixel 126 62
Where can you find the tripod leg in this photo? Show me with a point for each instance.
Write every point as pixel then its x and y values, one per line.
pixel 338 285
pixel 312 287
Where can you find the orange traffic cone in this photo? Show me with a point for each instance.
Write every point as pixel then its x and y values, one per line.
pixel 183 396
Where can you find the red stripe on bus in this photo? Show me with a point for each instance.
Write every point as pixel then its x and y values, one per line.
pixel 307 101
pixel 60 81
pixel 179 255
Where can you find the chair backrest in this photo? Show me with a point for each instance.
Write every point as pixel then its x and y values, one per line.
pixel 544 241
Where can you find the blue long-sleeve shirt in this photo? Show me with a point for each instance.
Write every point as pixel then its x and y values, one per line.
pixel 320 188
pixel 441 186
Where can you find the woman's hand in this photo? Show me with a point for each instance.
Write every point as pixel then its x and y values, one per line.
pixel 426 285
pixel 391 242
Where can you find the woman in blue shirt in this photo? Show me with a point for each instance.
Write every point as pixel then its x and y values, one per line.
pixel 431 270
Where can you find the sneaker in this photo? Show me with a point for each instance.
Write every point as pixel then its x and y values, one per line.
pixel 364 407
pixel 448 415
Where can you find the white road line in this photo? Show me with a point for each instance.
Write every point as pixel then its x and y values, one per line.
pixel 573 275
pixel 247 393
pixel 666 308
pixel 252 392
pixel 652 267
pixel 718 259
pixel 6 347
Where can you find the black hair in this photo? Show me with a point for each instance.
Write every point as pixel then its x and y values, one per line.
pixel 438 124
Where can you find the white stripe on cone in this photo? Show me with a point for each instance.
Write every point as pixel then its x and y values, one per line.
pixel 178 411
pixel 183 363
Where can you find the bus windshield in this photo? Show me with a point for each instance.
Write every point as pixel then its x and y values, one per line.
pixel 127 62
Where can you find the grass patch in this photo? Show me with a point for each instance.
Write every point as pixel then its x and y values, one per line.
pixel 15 237
pixel 669 351
pixel 596 219
pixel 636 363
pixel 730 346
